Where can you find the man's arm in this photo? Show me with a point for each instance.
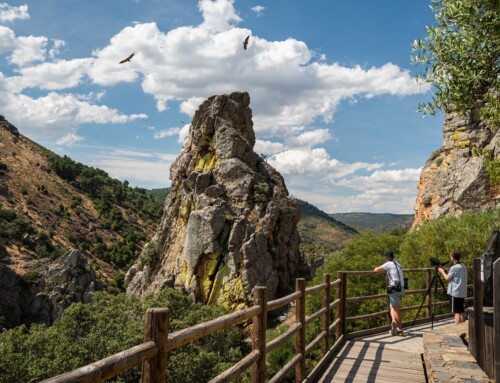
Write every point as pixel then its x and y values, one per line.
pixel 448 277
pixel 379 269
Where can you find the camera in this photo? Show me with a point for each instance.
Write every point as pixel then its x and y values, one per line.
pixel 436 262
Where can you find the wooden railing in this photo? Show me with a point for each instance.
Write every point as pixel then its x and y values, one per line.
pixel 153 352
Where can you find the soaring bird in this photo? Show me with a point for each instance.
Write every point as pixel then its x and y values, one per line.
pixel 245 43
pixel 127 59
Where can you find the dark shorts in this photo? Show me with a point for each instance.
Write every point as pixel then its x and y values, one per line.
pixel 457 305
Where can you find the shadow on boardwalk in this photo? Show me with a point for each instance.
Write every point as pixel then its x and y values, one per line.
pixel 381 358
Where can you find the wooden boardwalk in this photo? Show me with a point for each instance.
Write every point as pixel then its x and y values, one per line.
pixel 381 358
pixel 361 361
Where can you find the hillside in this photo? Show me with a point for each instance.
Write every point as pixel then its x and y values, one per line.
pixel 51 204
pixel 321 234
pixel 380 223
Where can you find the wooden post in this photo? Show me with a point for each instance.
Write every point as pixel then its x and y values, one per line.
pixel 258 370
pixel 428 298
pixel 478 312
pixel 325 321
pixel 341 294
pixel 496 319
pixel 300 340
pixel 154 370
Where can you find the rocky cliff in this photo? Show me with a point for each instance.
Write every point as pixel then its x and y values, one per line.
pixel 229 223
pixel 454 179
pixel 42 294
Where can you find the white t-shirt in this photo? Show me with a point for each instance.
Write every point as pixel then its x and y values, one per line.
pixel 457 286
pixel 394 273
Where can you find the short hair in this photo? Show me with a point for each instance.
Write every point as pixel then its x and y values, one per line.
pixel 389 254
pixel 455 255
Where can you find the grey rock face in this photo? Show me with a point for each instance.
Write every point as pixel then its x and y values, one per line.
pixel 42 296
pixel 454 179
pixel 229 223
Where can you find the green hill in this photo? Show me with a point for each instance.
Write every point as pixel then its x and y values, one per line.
pixel 379 223
pixel 321 234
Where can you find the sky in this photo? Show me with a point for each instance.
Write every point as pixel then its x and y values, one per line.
pixel 332 89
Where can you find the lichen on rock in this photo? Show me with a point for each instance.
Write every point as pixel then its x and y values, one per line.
pixel 229 223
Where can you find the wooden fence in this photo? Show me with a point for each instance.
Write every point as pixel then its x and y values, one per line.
pixel 484 322
pixel 153 352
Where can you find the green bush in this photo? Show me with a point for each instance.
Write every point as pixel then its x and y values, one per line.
pixel 110 324
pixel 7 215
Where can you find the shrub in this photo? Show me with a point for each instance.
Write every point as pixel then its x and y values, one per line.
pixel 7 215
pixel 110 324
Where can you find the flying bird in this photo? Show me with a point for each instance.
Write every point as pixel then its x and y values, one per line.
pixel 127 59
pixel 245 43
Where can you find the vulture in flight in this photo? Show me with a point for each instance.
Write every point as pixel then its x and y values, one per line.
pixel 245 43
pixel 127 59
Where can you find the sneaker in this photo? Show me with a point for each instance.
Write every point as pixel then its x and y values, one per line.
pixel 394 328
pixel 400 332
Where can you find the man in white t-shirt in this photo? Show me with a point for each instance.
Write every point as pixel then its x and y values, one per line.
pixel 395 277
pixel 457 286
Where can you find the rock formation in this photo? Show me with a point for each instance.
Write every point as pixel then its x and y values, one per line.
pixel 454 179
pixel 41 296
pixel 228 222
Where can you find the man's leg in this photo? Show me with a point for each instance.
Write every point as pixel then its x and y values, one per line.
pixel 396 316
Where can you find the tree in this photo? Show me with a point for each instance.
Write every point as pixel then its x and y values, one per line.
pixel 461 58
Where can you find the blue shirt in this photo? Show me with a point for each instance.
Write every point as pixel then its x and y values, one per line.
pixel 457 286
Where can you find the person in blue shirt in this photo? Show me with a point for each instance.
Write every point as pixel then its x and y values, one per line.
pixel 457 286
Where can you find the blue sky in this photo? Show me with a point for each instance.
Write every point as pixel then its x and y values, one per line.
pixel 332 89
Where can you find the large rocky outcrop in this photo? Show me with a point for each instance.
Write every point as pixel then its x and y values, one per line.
pixel 41 296
pixel 454 179
pixel 228 222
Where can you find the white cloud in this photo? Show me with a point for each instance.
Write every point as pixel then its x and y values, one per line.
pixel 9 13
pixel 218 15
pixel 315 161
pixel 69 139
pixel 28 49
pixel 310 138
pixel 268 147
pixel 142 168
pixel 56 113
pixel 57 75
pixel 258 9
pixel 7 39
pixel 379 192
pixel 167 133
pixel 57 44
pixel 183 134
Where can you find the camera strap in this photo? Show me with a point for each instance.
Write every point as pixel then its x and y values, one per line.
pixel 389 274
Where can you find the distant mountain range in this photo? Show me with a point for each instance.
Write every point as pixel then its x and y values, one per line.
pixel 380 223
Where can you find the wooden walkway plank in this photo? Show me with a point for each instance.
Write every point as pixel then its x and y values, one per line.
pixel 362 361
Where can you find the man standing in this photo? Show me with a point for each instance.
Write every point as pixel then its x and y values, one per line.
pixel 395 278
pixel 457 286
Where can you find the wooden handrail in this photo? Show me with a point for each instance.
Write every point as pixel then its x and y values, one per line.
pixel 278 303
pixel 236 370
pixel 153 353
pixel 313 289
pixel 188 335
pixel 278 341
pixel 110 366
